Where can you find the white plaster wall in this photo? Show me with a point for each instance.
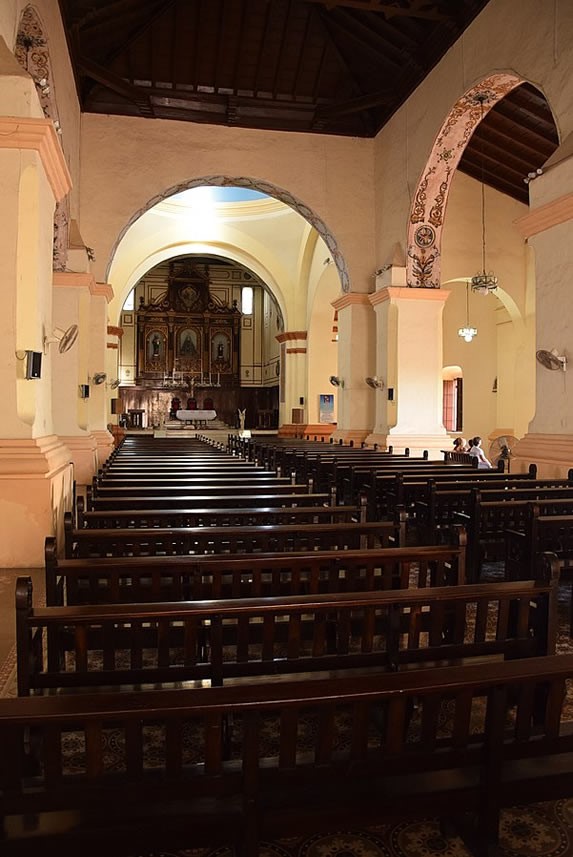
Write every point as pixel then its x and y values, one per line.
pixel 504 345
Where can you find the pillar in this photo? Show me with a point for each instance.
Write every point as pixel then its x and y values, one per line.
pixel 100 296
pixel 35 468
pixel 292 389
pixel 355 358
pixel 409 362
pixel 71 414
pixel 548 229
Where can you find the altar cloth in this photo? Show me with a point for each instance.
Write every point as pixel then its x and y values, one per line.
pixel 195 416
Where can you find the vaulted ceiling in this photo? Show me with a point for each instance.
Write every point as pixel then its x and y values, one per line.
pixel 319 66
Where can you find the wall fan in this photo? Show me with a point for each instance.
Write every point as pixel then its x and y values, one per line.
pixel 552 359
pixel 336 381
pixel 98 378
pixel 501 450
pixel 375 382
pixel 65 338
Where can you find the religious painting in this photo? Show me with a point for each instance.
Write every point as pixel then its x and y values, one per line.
pixel 220 351
pixel 326 408
pixel 190 297
pixel 188 343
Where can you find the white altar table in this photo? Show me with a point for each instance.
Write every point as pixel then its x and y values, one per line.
pixel 195 416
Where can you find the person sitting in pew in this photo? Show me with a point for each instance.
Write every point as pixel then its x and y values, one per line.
pixel 461 445
pixel 476 451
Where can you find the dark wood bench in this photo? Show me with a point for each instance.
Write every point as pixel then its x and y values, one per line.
pixel 194 517
pixel 487 522
pixel 127 579
pixel 544 522
pixel 374 751
pixel 277 538
pixel 166 487
pixel 219 640
pixel 443 501
pixel 183 499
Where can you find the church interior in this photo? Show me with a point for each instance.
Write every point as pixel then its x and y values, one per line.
pixel 343 221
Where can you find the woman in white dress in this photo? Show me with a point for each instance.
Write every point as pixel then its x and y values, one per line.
pixel 476 451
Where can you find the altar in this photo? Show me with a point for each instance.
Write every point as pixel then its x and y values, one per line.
pixel 195 416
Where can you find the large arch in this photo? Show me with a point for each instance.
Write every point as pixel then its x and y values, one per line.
pixel 252 184
pixel 430 200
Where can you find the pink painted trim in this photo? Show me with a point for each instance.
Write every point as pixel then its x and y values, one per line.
pixel 38 135
pixel 351 299
pixel 551 214
pixel 291 334
pixel 403 293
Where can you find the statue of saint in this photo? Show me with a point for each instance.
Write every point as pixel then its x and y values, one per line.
pixel 242 414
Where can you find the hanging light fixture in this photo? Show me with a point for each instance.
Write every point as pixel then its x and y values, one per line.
pixel 468 332
pixel 483 282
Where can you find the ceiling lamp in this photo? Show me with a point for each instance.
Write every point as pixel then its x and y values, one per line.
pixel 468 332
pixel 483 282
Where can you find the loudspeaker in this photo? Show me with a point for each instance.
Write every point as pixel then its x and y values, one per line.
pixel 301 400
pixel 116 406
pixel 33 364
pixel 390 394
pixel 84 391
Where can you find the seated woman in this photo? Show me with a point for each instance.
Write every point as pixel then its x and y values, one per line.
pixel 460 445
pixel 477 452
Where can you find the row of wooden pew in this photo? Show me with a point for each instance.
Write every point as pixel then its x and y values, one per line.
pixel 275 650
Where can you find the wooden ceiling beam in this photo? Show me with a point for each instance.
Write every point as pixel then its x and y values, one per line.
pixel 117 84
pixel 415 10
pixel 515 135
pixel 514 190
pixel 355 105
pixel 366 35
pixel 280 53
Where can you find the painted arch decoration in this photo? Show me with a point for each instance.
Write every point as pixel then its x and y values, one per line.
pixel 431 197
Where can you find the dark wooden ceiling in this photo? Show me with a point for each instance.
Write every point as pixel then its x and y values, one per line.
pixel 319 66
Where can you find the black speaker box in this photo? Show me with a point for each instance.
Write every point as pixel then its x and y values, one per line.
pixel 33 364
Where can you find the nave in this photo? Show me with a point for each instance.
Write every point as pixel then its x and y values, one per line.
pixel 282 703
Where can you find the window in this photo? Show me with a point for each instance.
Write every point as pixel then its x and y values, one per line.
pixel 129 301
pixel 247 300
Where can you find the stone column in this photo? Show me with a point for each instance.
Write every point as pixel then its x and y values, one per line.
pixel 292 414
pixel 72 306
pixel 549 230
pixel 101 294
pixel 355 357
pixel 409 362
pixel 35 469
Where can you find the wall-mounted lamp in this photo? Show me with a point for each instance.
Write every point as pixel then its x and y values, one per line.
pixel 336 381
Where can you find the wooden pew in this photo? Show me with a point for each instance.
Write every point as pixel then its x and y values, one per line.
pixel 220 640
pixel 128 579
pixel 276 538
pixel 166 487
pixel 444 500
pixel 487 521
pixel 183 500
pixel 216 517
pixel 370 759
pixel 544 522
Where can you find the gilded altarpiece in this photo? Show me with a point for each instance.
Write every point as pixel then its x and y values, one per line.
pixel 187 334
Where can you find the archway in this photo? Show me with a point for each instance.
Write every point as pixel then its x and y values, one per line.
pixel 267 188
pixel 431 197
